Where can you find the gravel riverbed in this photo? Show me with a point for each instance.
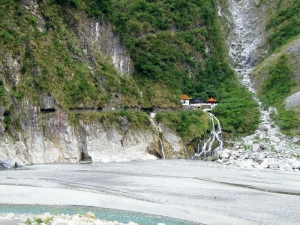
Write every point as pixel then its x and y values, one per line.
pixel 47 219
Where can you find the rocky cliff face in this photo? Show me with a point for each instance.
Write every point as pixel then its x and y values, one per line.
pixel 97 36
pixel 43 132
pixel 48 137
pixel 246 35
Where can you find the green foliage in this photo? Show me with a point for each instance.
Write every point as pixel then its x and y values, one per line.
pixel 176 47
pixel 187 124
pixel 287 120
pixel 275 90
pixel 238 115
pixel 72 3
pixel 136 119
pixel 285 24
pixel 279 83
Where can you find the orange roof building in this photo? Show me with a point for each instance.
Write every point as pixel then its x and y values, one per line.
pixel 211 100
pixel 185 97
pixel 185 100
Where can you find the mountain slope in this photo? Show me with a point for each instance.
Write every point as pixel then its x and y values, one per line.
pixel 70 50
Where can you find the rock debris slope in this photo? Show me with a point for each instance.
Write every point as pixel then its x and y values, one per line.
pixel 267 147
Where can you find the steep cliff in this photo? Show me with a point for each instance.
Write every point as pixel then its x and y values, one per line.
pixel 64 61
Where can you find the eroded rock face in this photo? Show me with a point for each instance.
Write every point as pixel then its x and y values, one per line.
pixel 114 145
pixel 246 36
pixel 32 7
pixel 99 37
pixel 48 137
pixel 292 101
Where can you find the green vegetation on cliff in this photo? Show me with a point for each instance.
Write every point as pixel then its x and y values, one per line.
pixel 188 124
pixel 176 47
pixel 284 24
pixel 276 88
pixel 277 76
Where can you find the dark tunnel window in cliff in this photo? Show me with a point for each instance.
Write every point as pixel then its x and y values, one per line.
pixel 147 110
pixel 85 157
pixel 7 119
pixel 48 110
pixel 158 155
pixel 99 109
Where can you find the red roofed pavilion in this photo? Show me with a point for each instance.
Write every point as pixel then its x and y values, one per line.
pixel 211 100
pixel 185 100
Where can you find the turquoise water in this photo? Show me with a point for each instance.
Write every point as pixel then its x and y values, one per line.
pixel 101 213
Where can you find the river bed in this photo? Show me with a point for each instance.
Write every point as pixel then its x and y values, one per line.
pixel 190 190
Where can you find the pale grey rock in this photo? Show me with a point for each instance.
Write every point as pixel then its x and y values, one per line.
pixel 90 215
pixel 171 138
pixel 224 155
pixel 277 148
pixel 255 147
pixel 32 8
pixel 5 164
pixel 292 101
pixel 99 223
pixel 246 164
pixel 287 167
pixel 296 165
pixel 112 145
pixel 60 222
pixel 265 163
pixel 263 128
pixel 98 36
pixel 232 158
pixel 296 139
pixel 47 101
pixel 10 216
pixel 46 216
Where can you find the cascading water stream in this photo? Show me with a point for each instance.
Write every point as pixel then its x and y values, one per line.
pixel 157 129
pixel 161 144
pixel 187 155
pixel 214 136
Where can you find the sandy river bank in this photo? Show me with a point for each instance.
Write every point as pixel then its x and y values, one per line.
pixel 197 191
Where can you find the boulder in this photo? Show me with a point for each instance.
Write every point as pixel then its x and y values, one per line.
pixel 296 165
pixel 277 148
pixel 265 164
pixel 74 222
pixel 296 139
pixel 10 216
pixel 246 164
pixel 60 222
pixel 263 128
pixel 256 148
pixel 5 164
pixel 46 216
pixel 90 215
pixel 98 222
pixel 262 147
pixel 287 167
pixel 224 155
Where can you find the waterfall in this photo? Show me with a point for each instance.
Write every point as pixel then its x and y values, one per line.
pixel 161 144
pixel 214 137
pixel 158 130
pixel 187 155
